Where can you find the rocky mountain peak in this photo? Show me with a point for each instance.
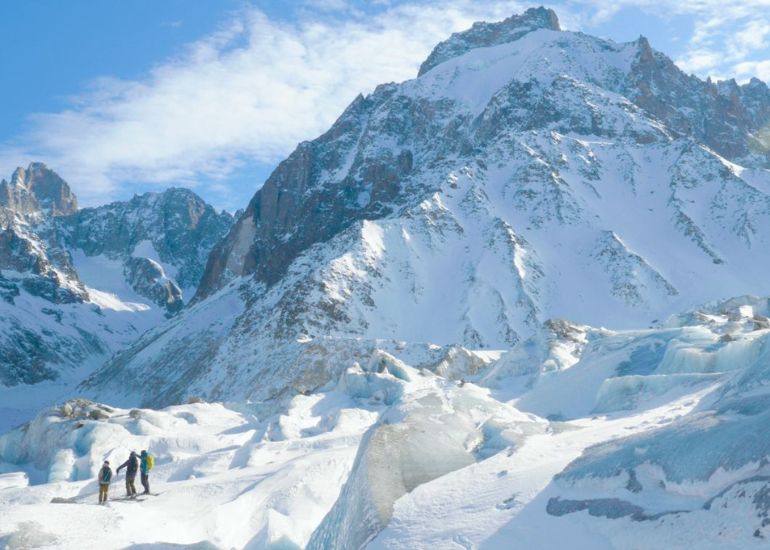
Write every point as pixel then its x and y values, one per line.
pixel 729 118
pixel 175 226
pixel 38 188
pixel 78 284
pixel 484 35
pixel 482 169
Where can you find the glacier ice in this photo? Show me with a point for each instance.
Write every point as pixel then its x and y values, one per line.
pixel 436 427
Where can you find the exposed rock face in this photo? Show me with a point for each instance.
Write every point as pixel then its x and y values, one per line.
pixel 42 270
pixel 727 117
pixel 295 209
pixel 77 285
pixel 148 279
pixel 526 174
pixel 176 225
pixel 37 189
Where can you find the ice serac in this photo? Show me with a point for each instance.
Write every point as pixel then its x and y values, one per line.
pixel 707 466
pixel 531 174
pixel 429 431
pixel 483 35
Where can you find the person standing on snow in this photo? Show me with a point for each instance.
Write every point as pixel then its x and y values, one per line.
pixel 145 466
pixel 131 465
pixel 105 476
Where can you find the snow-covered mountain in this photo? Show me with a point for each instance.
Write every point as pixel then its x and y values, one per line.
pixel 526 174
pixel 452 321
pixel 79 284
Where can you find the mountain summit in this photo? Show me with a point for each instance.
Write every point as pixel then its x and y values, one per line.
pixel 526 174
pixel 37 188
pixel 485 35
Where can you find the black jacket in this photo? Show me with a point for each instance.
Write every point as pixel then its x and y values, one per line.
pixel 131 465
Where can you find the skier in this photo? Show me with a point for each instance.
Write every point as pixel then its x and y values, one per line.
pixel 146 465
pixel 105 475
pixel 131 465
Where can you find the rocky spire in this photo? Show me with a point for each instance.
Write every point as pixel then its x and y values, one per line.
pixel 38 188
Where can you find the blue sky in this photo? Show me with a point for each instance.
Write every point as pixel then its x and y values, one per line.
pixel 125 96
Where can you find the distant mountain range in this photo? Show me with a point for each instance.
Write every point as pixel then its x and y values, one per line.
pixel 80 284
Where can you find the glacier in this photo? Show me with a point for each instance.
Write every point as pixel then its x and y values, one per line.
pixel 392 456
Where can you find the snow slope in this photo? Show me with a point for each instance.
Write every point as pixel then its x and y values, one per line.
pixel 642 459
pixel 208 458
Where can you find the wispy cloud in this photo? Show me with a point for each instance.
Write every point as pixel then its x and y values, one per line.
pixel 249 92
pixel 724 35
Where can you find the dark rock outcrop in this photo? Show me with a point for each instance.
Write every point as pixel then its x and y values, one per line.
pixel 148 279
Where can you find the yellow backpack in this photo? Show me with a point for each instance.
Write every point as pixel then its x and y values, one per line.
pixel 150 462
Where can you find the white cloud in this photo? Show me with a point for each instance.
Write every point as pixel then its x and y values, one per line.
pixel 759 69
pixel 698 61
pixel 723 33
pixel 252 90
pixel 726 34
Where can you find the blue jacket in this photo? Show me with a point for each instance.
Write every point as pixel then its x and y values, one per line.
pixel 105 475
pixel 143 465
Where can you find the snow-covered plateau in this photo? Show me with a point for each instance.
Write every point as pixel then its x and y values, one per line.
pixel 519 301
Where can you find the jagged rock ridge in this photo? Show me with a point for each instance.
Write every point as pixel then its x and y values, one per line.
pixel 485 35
pixel 77 285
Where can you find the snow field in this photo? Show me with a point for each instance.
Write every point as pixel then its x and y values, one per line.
pixel 579 437
pixel 224 478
